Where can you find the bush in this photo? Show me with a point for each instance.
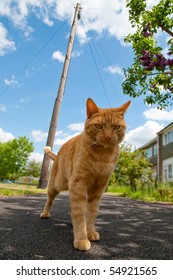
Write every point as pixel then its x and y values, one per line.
pixel 133 169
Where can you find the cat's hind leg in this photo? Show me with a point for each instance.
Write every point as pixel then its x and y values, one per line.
pixel 50 197
pixel 51 194
pixel 52 191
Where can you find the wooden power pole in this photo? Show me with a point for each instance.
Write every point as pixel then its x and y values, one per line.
pixel 53 124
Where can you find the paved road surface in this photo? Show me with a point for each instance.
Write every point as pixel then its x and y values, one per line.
pixel 129 230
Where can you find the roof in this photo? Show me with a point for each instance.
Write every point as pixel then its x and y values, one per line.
pixel 161 131
pixel 155 139
pixel 148 143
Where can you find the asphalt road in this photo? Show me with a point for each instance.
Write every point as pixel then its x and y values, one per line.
pixel 129 230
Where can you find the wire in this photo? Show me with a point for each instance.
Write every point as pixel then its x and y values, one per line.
pixel 95 63
pixel 34 56
pixel 96 46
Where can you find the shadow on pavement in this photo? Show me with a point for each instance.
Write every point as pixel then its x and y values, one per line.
pixel 129 230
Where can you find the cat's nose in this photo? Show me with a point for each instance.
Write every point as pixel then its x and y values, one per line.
pixel 108 138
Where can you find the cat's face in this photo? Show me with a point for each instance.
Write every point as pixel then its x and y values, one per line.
pixel 106 127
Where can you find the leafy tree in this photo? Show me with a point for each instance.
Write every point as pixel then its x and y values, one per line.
pixel 151 74
pixel 33 168
pixel 133 169
pixel 13 157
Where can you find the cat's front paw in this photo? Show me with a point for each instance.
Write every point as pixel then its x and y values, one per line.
pixel 44 215
pixel 82 245
pixel 93 236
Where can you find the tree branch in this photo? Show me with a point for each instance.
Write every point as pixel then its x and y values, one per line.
pixel 157 73
pixel 166 30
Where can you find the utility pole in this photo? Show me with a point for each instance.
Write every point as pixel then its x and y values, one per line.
pixel 53 124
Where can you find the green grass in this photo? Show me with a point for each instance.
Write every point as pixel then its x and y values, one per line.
pixel 118 190
pixel 163 193
pixel 19 190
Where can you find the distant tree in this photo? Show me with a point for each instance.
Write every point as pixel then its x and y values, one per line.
pixel 151 74
pixel 133 169
pixel 33 168
pixel 13 157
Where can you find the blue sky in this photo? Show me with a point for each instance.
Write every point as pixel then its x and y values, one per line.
pixel 34 36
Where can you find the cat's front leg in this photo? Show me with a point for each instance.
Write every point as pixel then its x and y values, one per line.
pixel 94 197
pixel 78 202
pixel 93 206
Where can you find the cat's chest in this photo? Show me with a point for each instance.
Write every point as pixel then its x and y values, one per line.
pixel 102 167
pixel 101 164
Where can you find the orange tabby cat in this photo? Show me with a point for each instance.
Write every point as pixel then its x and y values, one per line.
pixel 84 165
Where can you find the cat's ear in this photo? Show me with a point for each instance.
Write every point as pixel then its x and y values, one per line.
pixel 91 107
pixel 124 107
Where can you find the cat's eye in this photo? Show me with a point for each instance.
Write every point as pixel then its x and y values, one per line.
pixel 98 126
pixel 116 127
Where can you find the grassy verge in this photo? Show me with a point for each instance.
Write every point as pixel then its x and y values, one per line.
pixel 163 193
pixel 119 191
pixel 19 190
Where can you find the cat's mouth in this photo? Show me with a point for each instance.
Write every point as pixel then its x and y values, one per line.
pixel 105 143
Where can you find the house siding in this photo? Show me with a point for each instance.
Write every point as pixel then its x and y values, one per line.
pixel 162 161
pixel 167 167
pixel 167 151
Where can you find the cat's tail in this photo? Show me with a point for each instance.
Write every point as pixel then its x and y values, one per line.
pixel 48 151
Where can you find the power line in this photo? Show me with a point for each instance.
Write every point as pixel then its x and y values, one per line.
pixel 95 63
pixel 34 56
pixel 109 62
pixel 98 49
pixel 96 46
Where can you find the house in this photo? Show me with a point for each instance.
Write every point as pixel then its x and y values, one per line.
pixel 160 153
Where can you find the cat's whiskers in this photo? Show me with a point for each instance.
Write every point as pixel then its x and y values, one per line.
pixel 90 145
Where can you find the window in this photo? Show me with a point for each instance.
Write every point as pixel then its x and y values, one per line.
pixel 155 150
pixel 166 174
pixel 170 175
pixel 168 137
pixel 149 152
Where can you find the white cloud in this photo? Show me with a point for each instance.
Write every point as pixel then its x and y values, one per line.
pixel 61 141
pixel 100 16
pixel 61 133
pixel 151 3
pixel 5 136
pixel 11 82
pixel 28 31
pixel 105 16
pixel 143 134
pixel 6 45
pixel 17 10
pixel 39 135
pixel 155 121
pixel 113 69
pixel 48 21
pixel 36 156
pixel 158 115
pixel 61 137
pixel 3 108
pixel 76 126
pixel 58 56
pixel 76 54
